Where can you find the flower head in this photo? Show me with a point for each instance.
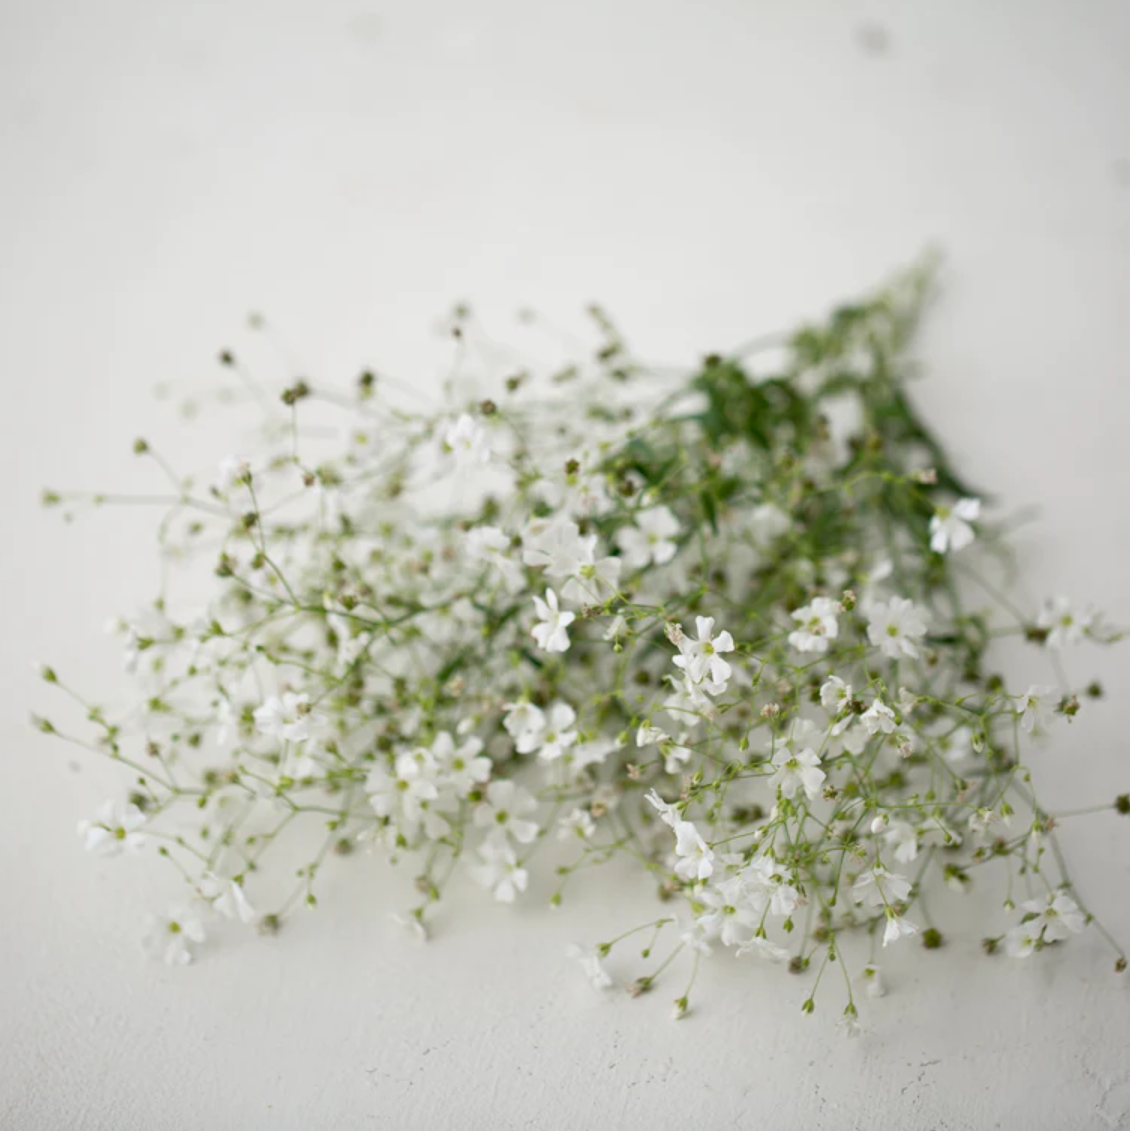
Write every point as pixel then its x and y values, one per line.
pixel 949 527
pixel 168 937
pixel 116 829
pixel 651 540
pixel 797 771
pixel 467 439
pixel 896 627
pixel 817 625
pixel 550 633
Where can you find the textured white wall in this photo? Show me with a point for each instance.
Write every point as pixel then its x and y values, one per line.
pixel 707 169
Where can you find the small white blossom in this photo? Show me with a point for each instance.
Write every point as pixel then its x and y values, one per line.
pixel 498 870
pixel 408 793
pixel 1062 624
pixel 696 859
pixel 835 695
pixel 591 966
pixel 876 887
pixel 1057 916
pixel 489 544
pixel 522 718
pixel 878 718
pixel 168 937
pixel 550 633
pixel 555 736
pixel 897 927
pixel 467 439
pixel 797 771
pixel 114 830
pixel 1033 707
pixel 503 812
pixel 592 579
pixel 764 883
pixel 226 897
pixel 701 659
pixel 668 814
pixel 896 627
pixel 873 985
pixel 903 838
pixel 464 767
pixel 650 541
pixel 555 546
pixel 288 717
pixel 763 948
pixel 578 823
pixel 1021 941
pixel 949 527
pixel 817 625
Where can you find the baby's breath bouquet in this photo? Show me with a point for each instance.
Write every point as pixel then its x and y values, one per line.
pixel 731 624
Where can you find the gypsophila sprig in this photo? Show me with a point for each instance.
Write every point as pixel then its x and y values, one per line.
pixel 695 619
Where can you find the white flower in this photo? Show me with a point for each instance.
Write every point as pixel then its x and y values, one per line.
pixel 551 631
pixel 489 544
pixel 650 540
pixel 591 753
pixel 578 823
pixel 288 717
pixel 668 814
pixel 115 830
pixel 726 915
pixel 467 439
pixel 1062 625
pixel 502 812
pixel 1021 941
pixel 765 886
pixel 1033 707
pixel 555 736
pixel 499 871
pixel 763 948
pixel 818 625
pixel 649 736
pixel 1058 916
pixel 226 897
pixel 949 527
pixel 983 819
pixel 233 470
pixel 408 791
pixel 701 659
pixel 878 718
pixel 617 627
pixel 877 887
pixel 797 771
pixel 904 838
pixel 167 938
pixel 592 579
pixel 556 547
pixel 696 860
pixel 465 767
pixel 873 984
pixel 522 718
pixel 896 627
pixel 897 927
pixel 591 965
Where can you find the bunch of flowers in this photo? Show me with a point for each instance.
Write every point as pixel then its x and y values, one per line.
pixel 730 623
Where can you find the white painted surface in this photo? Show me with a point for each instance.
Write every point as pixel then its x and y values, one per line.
pixel 708 170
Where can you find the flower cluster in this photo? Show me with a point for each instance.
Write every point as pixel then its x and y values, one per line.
pixel 727 623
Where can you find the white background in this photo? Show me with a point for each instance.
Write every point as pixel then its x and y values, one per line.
pixel 709 170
